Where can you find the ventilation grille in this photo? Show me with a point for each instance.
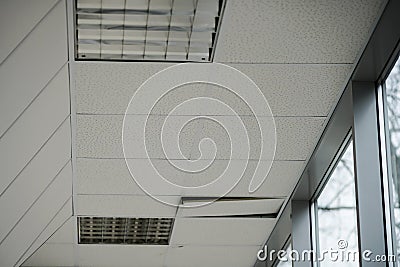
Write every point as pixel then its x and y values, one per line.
pixel 137 30
pixel 144 231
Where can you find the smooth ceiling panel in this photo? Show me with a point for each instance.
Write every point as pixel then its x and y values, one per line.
pixel 99 136
pixel 213 256
pixel 54 225
pixel 50 255
pixel 37 218
pixel 280 181
pixel 111 176
pixel 65 234
pixel 291 90
pixel 106 88
pixel 233 207
pixel 290 31
pixel 34 127
pixel 221 231
pixel 21 79
pixel 127 256
pixel 124 206
pixel 23 16
pixel 299 90
pixel 34 178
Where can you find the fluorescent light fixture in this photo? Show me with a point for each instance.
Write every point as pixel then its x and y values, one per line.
pixel 159 30
pixel 112 230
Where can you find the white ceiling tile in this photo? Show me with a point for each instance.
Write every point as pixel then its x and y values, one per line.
pixel 118 256
pixel 231 207
pixel 299 89
pixel 111 176
pixel 106 88
pixel 221 231
pixel 99 136
pixel 124 206
pixel 297 136
pixel 293 31
pixel 212 256
pixel 280 181
pixel 291 90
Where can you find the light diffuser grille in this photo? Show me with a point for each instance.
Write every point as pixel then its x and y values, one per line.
pixel 168 30
pixel 111 230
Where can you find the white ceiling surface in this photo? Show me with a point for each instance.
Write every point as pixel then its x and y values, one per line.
pixel 303 53
pixel 35 131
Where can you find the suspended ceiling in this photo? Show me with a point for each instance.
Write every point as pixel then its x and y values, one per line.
pixel 300 54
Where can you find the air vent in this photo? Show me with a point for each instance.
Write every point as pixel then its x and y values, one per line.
pixel 110 230
pixel 137 30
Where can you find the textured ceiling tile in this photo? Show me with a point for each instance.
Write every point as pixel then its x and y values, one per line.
pixel 298 90
pixel 111 176
pixel 124 206
pixel 292 31
pixel 106 88
pixel 291 90
pixel 100 136
pixel 297 137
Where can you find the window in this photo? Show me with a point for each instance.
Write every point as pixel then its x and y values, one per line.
pixel 336 222
pixel 392 106
pixel 286 262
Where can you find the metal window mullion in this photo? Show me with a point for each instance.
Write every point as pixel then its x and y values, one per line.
pixel 386 151
pixel 367 172
pixel 301 229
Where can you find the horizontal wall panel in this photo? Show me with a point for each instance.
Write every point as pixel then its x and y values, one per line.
pixel 37 218
pixel 124 206
pixel 221 231
pixel 23 16
pixel 99 136
pixel 58 221
pixel 32 65
pixel 32 181
pixel 34 127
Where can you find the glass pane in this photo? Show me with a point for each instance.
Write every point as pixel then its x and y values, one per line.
pixel 336 214
pixel 286 262
pixel 393 116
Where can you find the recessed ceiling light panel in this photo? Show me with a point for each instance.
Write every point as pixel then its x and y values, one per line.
pixel 159 30
pixel 112 230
